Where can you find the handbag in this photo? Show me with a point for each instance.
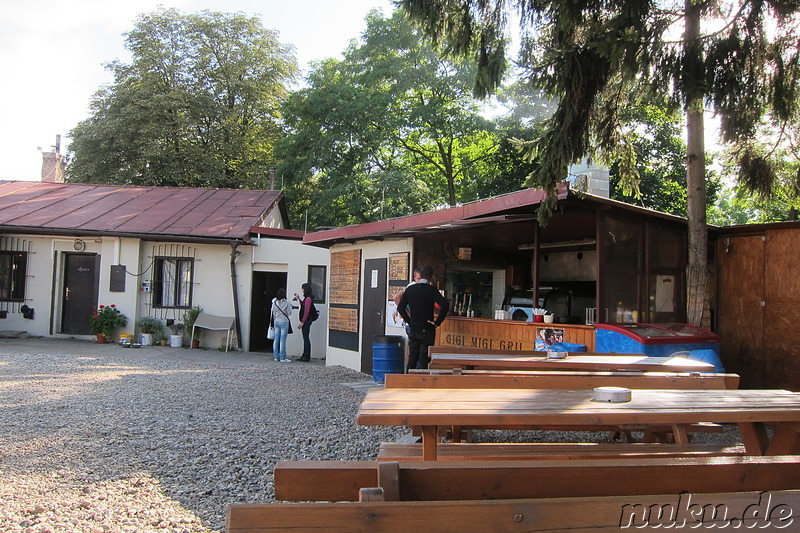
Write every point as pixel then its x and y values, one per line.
pixel 287 316
pixel 271 329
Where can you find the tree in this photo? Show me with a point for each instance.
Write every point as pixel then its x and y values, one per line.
pixel 197 106
pixel 593 55
pixel 390 129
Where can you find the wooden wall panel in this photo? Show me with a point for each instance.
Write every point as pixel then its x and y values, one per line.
pixel 740 286
pixel 781 340
pixel 505 334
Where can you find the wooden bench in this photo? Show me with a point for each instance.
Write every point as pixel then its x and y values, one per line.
pixel 537 451
pixel 567 380
pixel 577 514
pixel 478 480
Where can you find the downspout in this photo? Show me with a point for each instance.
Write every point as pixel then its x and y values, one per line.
pixel 234 255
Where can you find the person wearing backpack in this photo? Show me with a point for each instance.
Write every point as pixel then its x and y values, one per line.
pixel 308 314
pixel 281 309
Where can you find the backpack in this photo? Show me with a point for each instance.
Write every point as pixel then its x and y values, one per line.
pixel 313 314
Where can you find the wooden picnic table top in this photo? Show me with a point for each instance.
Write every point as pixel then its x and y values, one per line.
pixel 574 361
pixel 488 408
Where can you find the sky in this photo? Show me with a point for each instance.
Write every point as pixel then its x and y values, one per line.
pixel 52 56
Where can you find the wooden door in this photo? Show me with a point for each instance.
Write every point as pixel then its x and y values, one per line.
pixel 79 299
pixel 375 305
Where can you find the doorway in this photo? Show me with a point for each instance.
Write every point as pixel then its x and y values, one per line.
pixel 81 287
pixel 375 305
pixel 265 287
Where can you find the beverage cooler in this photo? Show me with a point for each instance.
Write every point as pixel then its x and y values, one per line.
pixel 660 340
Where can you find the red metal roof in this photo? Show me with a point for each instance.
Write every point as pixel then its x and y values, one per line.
pixel 74 208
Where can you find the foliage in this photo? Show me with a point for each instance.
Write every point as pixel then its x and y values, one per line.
pixel 189 318
pixel 148 324
pixel 656 135
pixel 106 320
pixel 197 106
pixel 594 57
pixel 177 328
pixel 391 129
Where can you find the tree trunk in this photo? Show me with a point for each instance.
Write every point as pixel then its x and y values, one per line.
pixel 696 272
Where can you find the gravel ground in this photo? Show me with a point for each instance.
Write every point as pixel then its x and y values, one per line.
pixel 105 439
pixel 92 443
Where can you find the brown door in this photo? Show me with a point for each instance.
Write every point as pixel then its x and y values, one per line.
pixel 79 300
pixel 375 304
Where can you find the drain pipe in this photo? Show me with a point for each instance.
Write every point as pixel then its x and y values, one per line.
pixel 234 254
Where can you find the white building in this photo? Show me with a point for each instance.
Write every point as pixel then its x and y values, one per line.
pixel 150 251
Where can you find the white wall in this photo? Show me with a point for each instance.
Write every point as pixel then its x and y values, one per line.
pixel 369 250
pixel 293 258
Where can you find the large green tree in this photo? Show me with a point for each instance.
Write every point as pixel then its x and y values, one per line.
pixel 197 106
pixel 592 56
pixel 390 129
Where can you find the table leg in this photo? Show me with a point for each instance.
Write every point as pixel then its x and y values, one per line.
pixel 680 434
pixel 754 436
pixel 430 438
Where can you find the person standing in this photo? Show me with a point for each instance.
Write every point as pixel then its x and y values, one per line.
pixel 281 309
pixel 306 303
pixel 416 306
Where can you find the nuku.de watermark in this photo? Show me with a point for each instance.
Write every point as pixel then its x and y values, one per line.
pixel 685 514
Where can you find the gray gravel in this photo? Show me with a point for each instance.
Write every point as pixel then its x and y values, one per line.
pixel 161 442
pixel 105 439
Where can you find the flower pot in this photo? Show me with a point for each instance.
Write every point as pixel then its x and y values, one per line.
pixel 176 341
pixel 102 339
pixel 195 343
pixel 147 339
pixel 164 342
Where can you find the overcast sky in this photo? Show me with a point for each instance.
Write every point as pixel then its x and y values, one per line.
pixel 52 56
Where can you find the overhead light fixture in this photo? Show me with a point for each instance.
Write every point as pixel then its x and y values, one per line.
pixel 558 244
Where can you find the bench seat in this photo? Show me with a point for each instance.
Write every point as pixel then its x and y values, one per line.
pixel 460 451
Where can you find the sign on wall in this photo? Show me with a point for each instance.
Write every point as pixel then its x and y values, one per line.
pixel 398 279
pixel 344 297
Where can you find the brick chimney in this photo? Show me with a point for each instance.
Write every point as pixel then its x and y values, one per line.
pixel 54 164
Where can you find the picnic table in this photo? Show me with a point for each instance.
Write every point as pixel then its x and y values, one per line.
pixel 576 361
pixel 431 409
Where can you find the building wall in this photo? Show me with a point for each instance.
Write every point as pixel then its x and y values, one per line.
pixel 293 258
pixel 369 250
pixel 758 293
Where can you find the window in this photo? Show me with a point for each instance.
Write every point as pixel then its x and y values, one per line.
pixel 316 277
pixel 172 283
pixel 13 269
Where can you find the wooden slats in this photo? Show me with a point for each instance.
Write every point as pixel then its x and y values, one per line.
pixel 392 451
pixel 565 380
pixel 476 480
pixel 577 515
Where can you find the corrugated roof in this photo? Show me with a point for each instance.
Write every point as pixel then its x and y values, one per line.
pixel 145 211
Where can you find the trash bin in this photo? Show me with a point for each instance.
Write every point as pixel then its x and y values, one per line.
pixel 387 356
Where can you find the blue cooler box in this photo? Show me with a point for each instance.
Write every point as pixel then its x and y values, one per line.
pixel 660 340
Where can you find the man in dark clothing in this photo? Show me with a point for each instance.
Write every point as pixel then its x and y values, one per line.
pixel 416 306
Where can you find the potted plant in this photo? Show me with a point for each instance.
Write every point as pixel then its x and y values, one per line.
pixel 176 338
pixel 105 321
pixel 149 327
pixel 189 318
pixel 163 340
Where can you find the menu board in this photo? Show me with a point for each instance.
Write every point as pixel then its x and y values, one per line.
pixel 345 276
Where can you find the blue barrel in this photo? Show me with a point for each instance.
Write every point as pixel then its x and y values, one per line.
pixel 387 356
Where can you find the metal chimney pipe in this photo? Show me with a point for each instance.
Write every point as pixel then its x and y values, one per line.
pixel 272 178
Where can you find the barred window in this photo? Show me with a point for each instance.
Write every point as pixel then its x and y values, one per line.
pixel 13 269
pixel 172 284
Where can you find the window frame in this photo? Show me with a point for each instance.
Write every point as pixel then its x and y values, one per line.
pixel 319 298
pixel 15 284
pixel 158 282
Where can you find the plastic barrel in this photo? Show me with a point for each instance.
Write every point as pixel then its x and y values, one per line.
pixel 387 356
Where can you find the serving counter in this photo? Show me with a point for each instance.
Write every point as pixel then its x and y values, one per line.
pixel 491 334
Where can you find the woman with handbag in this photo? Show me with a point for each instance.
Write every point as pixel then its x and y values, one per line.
pixel 281 309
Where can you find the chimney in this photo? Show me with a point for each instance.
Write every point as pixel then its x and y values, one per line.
pixel 54 164
pixel 272 178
